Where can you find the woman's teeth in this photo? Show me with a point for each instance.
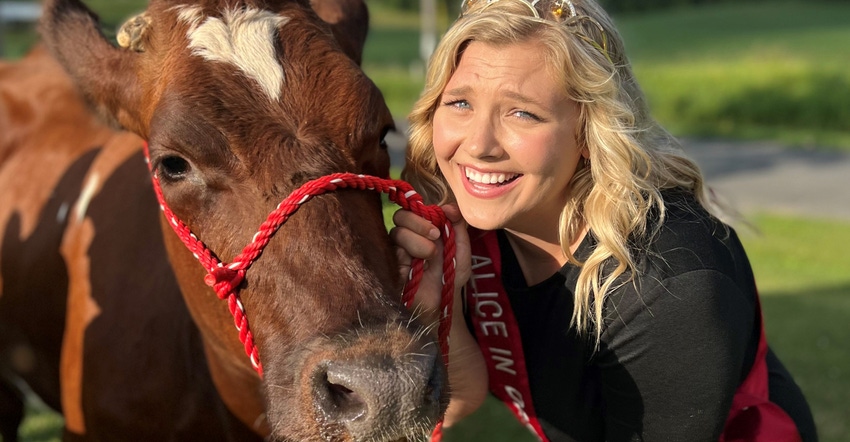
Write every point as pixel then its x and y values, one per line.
pixel 489 178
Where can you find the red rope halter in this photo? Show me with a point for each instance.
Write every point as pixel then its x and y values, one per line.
pixel 226 278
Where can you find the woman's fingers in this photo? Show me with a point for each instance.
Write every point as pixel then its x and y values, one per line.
pixel 416 224
pixel 414 244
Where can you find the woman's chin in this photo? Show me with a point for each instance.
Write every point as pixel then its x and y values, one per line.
pixel 483 219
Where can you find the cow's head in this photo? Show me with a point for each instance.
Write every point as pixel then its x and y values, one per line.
pixel 241 102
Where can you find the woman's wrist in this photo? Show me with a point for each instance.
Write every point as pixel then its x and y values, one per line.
pixel 467 370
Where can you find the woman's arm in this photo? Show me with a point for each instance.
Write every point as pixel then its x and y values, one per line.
pixel 673 356
pixel 416 237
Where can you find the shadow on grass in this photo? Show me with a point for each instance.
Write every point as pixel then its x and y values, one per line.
pixel 493 422
pixel 808 331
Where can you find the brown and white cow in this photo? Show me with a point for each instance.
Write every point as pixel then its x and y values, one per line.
pixel 104 312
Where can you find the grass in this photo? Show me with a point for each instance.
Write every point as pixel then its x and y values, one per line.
pixel 41 424
pixel 804 277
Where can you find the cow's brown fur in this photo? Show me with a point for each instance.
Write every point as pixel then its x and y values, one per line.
pixel 103 311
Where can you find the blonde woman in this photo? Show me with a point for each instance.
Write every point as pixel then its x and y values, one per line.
pixel 604 299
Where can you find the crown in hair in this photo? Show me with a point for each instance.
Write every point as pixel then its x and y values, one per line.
pixel 555 10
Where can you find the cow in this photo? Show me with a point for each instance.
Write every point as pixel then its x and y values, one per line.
pixel 105 313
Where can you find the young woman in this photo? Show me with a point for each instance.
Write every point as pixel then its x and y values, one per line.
pixel 604 300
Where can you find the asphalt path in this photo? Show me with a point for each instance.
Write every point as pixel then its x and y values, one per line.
pixel 756 177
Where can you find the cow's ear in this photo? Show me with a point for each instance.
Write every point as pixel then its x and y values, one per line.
pixel 105 75
pixel 349 21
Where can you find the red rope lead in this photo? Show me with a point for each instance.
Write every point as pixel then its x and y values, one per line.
pixel 226 279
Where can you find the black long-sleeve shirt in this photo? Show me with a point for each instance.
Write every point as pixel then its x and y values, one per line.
pixel 676 342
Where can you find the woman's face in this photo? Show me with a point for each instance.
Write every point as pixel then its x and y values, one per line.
pixel 504 138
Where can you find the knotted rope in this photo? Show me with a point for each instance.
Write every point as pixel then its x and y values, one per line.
pixel 226 278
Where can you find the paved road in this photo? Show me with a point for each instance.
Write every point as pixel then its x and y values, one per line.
pixel 755 177
pixel 765 177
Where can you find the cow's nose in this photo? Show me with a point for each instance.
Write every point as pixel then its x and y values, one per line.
pixel 381 396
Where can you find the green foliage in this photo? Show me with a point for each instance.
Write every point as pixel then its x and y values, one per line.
pixel 18 39
pixel 650 5
pixel 404 5
pixel 41 424
pixel 747 71
pixel 794 102
pixel 413 5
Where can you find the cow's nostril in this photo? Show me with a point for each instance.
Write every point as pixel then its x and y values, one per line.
pixel 346 403
pixel 338 394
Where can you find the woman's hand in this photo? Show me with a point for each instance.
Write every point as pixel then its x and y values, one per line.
pixel 416 237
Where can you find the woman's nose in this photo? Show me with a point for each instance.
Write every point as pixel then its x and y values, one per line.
pixel 482 140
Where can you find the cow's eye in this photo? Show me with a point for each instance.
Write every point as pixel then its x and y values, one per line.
pixel 174 168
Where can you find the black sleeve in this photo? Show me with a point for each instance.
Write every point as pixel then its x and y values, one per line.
pixel 672 355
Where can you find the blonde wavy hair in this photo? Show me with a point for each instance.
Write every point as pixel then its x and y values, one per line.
pixel 631 157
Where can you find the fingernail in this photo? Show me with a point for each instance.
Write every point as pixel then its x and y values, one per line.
pixel 434 233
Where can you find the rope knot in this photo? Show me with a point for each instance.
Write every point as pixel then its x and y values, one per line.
pixel 225 275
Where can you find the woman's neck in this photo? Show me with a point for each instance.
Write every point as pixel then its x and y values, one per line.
pixel 540 257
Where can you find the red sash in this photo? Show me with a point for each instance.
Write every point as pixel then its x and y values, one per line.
pixel 752 418
pixel 497 331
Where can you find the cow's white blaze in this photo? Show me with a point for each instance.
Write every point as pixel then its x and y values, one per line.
pixel 244 38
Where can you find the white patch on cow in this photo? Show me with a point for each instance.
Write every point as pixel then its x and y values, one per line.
pixel 244 38
pixel 63 213
pixel 86 196
pixel 191 15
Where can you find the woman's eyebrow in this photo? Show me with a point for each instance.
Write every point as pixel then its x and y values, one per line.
pixel 462 90
pixel 521 98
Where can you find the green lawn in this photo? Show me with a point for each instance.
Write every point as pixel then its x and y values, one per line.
pixel 803 272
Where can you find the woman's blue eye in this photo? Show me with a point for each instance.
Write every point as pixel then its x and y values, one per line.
pixel 460 104
pixel 528 115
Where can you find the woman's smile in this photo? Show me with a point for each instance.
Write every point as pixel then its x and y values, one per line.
pixel 488 184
